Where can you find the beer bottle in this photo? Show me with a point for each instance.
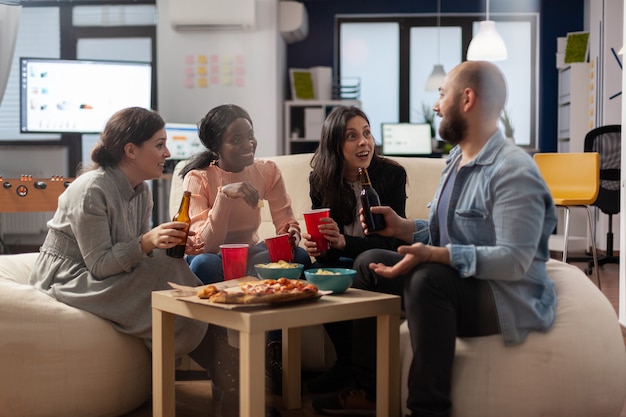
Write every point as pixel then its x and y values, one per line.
pixel 178 251
pixel 369 198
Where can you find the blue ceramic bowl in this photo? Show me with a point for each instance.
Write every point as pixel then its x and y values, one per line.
pixel 265 272
pixel 337 280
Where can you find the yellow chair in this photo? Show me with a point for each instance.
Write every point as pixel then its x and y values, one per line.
pixel 574 181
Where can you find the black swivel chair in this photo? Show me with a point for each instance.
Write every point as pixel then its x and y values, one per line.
pixel 606 140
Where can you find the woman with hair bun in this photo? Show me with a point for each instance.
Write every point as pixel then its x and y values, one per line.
pixel 100 254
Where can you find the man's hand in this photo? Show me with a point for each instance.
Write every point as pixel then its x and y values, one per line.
pixel 396 226
pixel 414 255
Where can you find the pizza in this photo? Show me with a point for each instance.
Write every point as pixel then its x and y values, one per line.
pixel 272 291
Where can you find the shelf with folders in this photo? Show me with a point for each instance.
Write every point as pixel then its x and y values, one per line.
pixel 304 120
pixel 347 88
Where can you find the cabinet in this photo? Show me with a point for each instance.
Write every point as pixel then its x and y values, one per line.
pixel 576 115
pixel 304 120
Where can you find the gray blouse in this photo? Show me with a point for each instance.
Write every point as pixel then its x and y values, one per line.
pixel 92 258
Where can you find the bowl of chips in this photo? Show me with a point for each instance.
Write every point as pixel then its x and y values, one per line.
pixel 280 269
pixel 337 280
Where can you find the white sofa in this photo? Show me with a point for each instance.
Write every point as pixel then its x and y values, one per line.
pixel 56 360
pixel 578 369
pixel 59 361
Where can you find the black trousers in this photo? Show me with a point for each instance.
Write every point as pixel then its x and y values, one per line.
pixel 440 306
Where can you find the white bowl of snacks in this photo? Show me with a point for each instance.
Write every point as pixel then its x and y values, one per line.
pixel 337 280
pixel 280 269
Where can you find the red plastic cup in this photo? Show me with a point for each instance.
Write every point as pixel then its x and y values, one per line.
pixel 312 220
pixel 279 248
pixel 234 260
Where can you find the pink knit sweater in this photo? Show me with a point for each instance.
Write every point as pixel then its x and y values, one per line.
pixel 218 219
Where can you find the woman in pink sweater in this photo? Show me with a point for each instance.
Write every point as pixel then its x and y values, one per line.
pixel 227 183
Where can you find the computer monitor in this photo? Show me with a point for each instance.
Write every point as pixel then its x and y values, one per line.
pixel 182 140
pixel 406 139
pixel 79 96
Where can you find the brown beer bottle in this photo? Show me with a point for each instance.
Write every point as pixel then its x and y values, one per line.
pixel 369 198
pixel 178 251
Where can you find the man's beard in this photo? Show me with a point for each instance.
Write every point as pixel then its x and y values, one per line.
pixel 453 127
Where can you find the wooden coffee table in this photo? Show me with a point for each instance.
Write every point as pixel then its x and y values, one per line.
pixel 252 325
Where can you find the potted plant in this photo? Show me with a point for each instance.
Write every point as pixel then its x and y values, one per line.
pixel 429 117
pixel 505 119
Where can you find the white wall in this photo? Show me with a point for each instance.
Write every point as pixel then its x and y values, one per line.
pixel 605 27
pixel 604 21
pixel 622 228
pixel 243 67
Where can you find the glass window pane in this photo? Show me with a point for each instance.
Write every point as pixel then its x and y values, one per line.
pixel 116 49
pixel 424 55
pixel 109 15
pixel 38 37
pixel 370 51
pixel 517 38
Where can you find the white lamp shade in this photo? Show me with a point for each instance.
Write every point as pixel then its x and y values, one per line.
pixel 436 78
pixel 487 45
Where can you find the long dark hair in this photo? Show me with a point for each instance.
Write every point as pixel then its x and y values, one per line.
pixel 327 181
pixel 211 131
pixel 130 125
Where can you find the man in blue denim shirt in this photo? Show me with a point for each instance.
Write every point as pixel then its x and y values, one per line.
pixel 477 267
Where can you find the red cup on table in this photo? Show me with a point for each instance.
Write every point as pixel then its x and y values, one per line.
pixel 279 248
pixel 234 260
pixel 312 220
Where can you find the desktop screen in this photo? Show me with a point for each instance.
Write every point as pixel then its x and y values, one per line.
pixel 182 140
pixel 406 139
pixel 79 96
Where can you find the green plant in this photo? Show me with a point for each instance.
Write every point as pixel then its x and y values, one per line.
pixel 505 119
pixel 429 117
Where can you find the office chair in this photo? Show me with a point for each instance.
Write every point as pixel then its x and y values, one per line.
pixel 574 181
pixel 606 140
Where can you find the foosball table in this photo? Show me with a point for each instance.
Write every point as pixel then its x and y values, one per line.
pixel 28 194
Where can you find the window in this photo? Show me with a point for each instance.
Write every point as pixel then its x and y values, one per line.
pixel 424 44
pixel 38 36
pixel 393 79
pixel 68 31
pixel 370 53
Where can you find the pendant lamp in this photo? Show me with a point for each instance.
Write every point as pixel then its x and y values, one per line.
pixel 436 76
pixel 487 45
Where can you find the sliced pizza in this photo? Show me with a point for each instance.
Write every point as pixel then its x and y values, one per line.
pixel 265 291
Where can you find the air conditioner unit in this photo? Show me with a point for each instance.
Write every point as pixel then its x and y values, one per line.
pixel 212 14
pixel 293 21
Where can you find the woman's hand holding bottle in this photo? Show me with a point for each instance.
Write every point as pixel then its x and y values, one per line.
pixel 167 235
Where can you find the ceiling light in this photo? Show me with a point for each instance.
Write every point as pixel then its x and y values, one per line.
pixel 436 76
pixel 487 45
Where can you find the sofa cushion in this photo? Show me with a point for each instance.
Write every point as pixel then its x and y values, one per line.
pixel 577 369
pixel 57 360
